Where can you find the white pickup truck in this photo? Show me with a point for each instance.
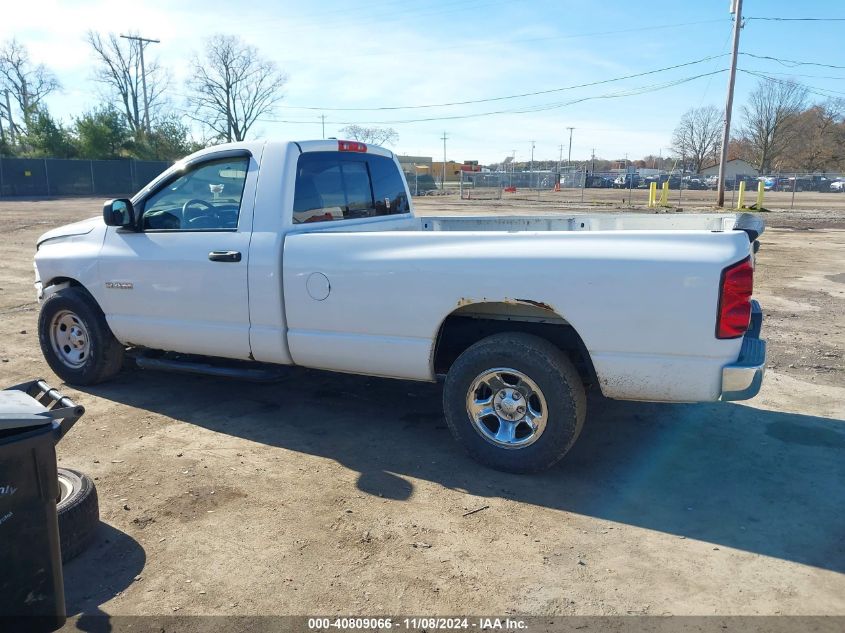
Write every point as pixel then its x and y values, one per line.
pixel 246 256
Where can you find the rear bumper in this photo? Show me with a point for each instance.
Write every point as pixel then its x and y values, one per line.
pixel 742 379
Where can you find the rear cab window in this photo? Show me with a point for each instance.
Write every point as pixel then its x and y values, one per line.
pixel 334 186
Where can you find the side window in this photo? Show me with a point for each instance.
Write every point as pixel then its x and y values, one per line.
pixel 388 188
pixel 337 186
pixel 206 197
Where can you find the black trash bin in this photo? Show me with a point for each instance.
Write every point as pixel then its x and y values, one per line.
pixel 33 417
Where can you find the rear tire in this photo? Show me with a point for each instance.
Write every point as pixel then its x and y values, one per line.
pixel 515 402
pixel 78 510
pixel 76 340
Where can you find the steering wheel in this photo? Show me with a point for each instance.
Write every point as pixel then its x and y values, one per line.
pixel 185 206
pixel 199 219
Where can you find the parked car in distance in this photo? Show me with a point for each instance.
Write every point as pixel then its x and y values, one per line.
pixel 425 183
pixel 249 256
pixel 733 183
pixel 597 181
pixel 626 181
pixel 838 185
pixel 694 183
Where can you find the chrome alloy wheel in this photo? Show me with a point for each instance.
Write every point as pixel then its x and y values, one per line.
pixel 69 339
pixel 507 408
pixel 65 487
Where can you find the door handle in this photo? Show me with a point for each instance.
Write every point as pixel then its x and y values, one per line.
pixel 224 256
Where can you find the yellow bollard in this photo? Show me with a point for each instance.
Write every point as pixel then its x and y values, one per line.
pixel 652 195
pixel 760 189
pixel 740 198
pixel 664 195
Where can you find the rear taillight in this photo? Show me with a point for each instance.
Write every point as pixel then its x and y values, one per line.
pixel 735 300
pixel 351 146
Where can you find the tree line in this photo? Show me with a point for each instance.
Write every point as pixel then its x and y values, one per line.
pixel 779 130
pixel 229 88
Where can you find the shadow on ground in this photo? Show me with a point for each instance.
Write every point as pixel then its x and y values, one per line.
pixel 766 482
pixel 104 570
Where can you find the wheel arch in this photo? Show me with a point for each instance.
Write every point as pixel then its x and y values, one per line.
pixel 472 321
pixel 59 283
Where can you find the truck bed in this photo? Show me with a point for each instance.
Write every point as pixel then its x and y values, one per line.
pixel 596 222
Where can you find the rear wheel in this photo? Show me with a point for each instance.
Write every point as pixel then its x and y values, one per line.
pixel 515 401
pixel 76 340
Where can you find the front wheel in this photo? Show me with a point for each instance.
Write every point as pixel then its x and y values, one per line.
pixel 515 402
pixel 76 340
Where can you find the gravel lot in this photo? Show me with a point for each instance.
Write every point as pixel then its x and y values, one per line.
pixel 340 494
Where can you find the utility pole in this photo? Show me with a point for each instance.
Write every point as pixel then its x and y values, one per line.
pixel 9 117
pixel 142 42
pixel 569 160
pixel 726 132
pixel 593 163
pixel 560 158
pixel 323 119
pixel 513 165
pixel 443 181
pixel 531 168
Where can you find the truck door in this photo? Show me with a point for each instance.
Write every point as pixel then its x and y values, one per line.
pixel 179 280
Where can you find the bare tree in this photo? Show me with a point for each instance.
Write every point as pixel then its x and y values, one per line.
pixel 769 119
pixel 698 135
pixel 119 69
pixel 28 83
pixel 817 144
pixel 232 87
pixel 371 135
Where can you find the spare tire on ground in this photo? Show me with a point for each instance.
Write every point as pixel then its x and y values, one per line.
pixel 78 510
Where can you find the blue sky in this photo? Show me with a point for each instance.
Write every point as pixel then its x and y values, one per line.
pixel 388 53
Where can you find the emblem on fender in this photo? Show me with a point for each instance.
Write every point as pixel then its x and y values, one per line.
pixel 120 285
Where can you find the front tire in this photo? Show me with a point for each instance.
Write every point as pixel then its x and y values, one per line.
pixel 515 402
pixel 76 340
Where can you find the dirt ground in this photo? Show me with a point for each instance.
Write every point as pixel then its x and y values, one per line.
pixel 327 494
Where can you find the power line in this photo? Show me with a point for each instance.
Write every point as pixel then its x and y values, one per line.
pixel 803 75
pixel 798 19
pixel 822 92
pixel 791 63
pixel 710 79
pixel 523 110
pixel 514 96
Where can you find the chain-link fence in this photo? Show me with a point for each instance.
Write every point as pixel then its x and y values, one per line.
pixel 494 185
pixel 632 188
pixel 61 177
pixel 483 186
pixel 420 184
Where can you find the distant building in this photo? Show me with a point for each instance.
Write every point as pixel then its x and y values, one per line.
pixel 733 168
pixel 419 172
pixel 409 163
pixel 453 170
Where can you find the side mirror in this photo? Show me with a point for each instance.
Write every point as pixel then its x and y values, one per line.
pixel 119 212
